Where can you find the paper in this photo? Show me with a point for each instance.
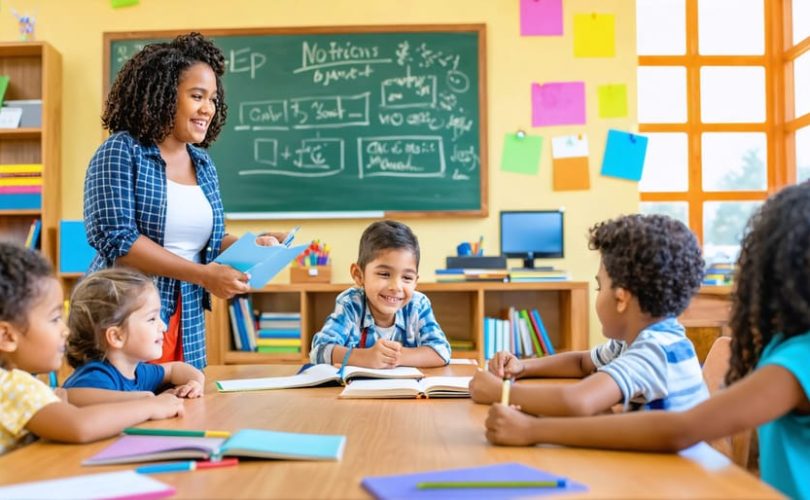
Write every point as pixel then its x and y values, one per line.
pixel 432 387
pixel 315 375
pixel 10 117
pixel 624 155
pixel 612 101
pixel 521 154
pixel 594 35
pixel 541 17
pixel 404 485
pixel 130 449
pixel 260 262
pixel 561 103
pixel 569 156
pixel 124 484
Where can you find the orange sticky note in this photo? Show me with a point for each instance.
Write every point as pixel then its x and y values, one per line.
pixel 570 163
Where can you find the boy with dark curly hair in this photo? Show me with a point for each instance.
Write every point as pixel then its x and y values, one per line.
pixel 650 267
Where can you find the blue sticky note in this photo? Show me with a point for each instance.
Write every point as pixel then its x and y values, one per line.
pixel 260 262
pixel 624 155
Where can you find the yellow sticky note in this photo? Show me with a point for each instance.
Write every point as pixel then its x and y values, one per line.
pixel 612 101
pixel 594 35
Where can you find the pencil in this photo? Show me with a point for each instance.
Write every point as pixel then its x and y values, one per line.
pixel 140 431
pixel 507 385
pixel 450 485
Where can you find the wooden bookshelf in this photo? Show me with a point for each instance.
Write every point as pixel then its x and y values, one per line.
pixel 460 309
pixel 35 72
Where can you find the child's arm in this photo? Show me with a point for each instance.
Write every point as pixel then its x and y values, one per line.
pixel 188 381
pixel 86 396
pixel 765 395
pixel 589 396
pixel 66 423
pixel 383 354
pixel 433 348
pixel 420 357
pixel 576 364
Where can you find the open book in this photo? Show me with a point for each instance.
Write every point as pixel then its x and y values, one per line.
pixel 260 262
pixel 245 443
pixel 317 375
pixel 429 387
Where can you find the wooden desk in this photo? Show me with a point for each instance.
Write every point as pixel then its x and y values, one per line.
pixel 388 437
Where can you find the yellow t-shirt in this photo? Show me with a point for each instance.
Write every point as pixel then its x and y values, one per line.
pixel 21 396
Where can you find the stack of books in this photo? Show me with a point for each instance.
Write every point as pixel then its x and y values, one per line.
pixel 522 333
pixel 461 345
pixel 719 274
pixel 535 275
pixel 21 186
pixel 455 275
pixel 279 332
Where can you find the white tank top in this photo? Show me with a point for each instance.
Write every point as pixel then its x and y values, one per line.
pixel 189 220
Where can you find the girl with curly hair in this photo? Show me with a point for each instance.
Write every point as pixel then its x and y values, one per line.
pixel 151 193
pixel 769 377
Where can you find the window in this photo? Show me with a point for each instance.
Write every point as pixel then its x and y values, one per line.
pixel 723 95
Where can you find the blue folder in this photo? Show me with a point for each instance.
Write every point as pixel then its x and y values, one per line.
pixel 261 262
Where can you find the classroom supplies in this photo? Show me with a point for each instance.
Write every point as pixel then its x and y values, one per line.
pixel 406 485
pixel 256 443
pixel 147 431
pixel 125 484
pixel 186 466
pixel 290 236
pixel 541 18
pixel 455 485
pixel 594 35
pixel 260 262
pixel 315 375
pixel 558 103
pixel 569 159
pixel 521 153
pixel 507 386
pixel 428 387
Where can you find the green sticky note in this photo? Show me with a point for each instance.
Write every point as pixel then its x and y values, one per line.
pixel 594 35
pixel 613 101
pixel 117 4
pixel 3 86
pixel 521 154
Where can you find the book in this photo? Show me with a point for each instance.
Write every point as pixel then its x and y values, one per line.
pixel 428 387
pixel 315 375
pixel 4 79
pixel 405 485
pixel 126 484
pixel 255 443
pixel 260 262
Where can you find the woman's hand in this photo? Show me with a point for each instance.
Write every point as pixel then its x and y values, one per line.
pixel 269 239
pixel 224 281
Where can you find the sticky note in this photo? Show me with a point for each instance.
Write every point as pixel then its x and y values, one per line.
pixel 521 154
pixel 594 35
pixel 569 160
pixel 624 155
pixel 561 103
pixel 541 17
pixel 117 4
pixel 612 101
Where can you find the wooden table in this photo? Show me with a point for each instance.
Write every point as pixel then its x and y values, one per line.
pixel 388 437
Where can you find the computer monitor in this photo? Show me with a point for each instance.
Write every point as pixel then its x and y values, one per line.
pixel 529 235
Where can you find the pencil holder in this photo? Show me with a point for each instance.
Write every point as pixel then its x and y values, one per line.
pixel 311 274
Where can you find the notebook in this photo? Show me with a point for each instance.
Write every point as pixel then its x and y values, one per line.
pixel 260 262
pixel 404 485
pixel 126 484
pixel 428 387
pixel 245 443
pixel 316 375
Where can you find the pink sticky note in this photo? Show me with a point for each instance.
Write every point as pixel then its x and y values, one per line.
pixel 561 103
pixel 541 17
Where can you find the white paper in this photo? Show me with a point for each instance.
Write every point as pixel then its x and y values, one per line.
pixel 569 146
pixel 122 484
pixel 10 117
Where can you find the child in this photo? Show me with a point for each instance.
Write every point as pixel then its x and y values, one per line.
pixel 769 376
pixel 650 268
pixel 115 327
pixel 32 340
pixel 383 322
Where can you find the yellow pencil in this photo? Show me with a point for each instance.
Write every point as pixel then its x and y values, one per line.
pixel 507 384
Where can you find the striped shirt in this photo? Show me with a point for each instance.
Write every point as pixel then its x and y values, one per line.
pixel 658 371
pixel 124 198
pixel 415 326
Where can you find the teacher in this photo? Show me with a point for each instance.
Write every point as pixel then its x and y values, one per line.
pixel 151 192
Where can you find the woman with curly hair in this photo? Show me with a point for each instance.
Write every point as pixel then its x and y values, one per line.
pixel 650 268
pixel 769 378
pixel 151 192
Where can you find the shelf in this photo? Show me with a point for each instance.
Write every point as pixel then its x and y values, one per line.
pixel 246 357
pixel 11 212
pixel 71 276
pixel 20 133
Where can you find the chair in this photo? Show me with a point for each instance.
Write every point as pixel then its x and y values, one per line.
pixel 739 446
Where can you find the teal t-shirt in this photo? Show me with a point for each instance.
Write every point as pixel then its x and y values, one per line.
pixel 784 442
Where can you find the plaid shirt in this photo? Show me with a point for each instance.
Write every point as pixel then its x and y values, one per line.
pixel 124 198
pixel 415 326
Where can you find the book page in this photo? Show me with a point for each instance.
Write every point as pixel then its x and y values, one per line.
pixel 398 372
pixel 315 375
pixel 455 386
pixel 382 388
pixel 123 484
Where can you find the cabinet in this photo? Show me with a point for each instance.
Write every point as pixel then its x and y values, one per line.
pixel 35 72
pixel 707 317
pixel 459 307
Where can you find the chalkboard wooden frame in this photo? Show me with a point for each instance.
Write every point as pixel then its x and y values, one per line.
pixel 479 29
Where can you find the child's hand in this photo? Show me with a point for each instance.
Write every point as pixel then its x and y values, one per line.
pixel 485 387
pixel 509 426
pixel 191 389
pixel 224 281
pixel 383 354
pixel 165 405
pixel 506 365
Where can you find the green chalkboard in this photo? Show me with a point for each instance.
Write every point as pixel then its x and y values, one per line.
pixel 346 121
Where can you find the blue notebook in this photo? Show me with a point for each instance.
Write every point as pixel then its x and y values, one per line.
pixel 261 262
pixel 404 485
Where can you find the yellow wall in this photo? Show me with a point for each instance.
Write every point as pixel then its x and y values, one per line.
pixel 513 63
